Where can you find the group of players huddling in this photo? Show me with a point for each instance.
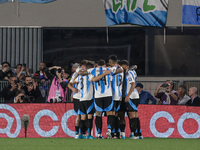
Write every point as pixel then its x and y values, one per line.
pixel 105 89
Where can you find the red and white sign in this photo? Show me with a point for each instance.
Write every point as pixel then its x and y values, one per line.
pixel 46 120
pixel 164 121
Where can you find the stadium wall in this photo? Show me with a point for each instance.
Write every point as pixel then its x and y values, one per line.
pixel 69 13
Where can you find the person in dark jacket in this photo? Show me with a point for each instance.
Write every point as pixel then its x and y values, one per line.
pixel 9 92
pixel 145 96
pixel 195 100
pixel 6 72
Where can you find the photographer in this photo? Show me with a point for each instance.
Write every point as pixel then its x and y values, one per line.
pixel 41 72
pixel 20 97
pixel 169 97
pixel 6 72
pixel 9 92
pixel 58 89
pixel 22 71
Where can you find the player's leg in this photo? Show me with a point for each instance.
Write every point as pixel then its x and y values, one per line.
pixel 98 104
pixel 109 109
pixel 138 127
pixel 121 115
pixel 132 107
pixel 117 126
pixel 76 112
pixel 122 123
pixel 82 126
pixel 133 124
pixel 98 123
pixel 89 105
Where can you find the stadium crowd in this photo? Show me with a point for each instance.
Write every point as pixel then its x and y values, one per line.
pixel 97 88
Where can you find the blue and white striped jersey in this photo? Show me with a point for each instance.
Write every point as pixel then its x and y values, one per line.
pixel 131 76
pixel 75 95
pixel 85 87
pixel 103 86
pixel 117 83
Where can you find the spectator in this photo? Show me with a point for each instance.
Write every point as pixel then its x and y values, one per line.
pixel 145 96
pixel 182 97
pixel 58 85
pixel 195 100
pixel 6 72
pixel 169 97
pixel 9 92
pixel 32 89
pixel 20 97
pixel 38 92
pixel 20 71
pixel 28 87
pixel 41 73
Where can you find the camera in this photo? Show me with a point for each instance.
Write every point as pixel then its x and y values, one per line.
pixel 56 100
pixel 16 81
pixel 165 85
pixel 59 70
pixel 30 83
pixel 27 99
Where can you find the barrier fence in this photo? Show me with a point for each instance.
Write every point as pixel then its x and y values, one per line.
pixel 148 86
pixel 45 85
pixel 46 120
pixel 58 121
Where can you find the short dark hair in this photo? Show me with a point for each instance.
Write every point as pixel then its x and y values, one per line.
pixel 183 87
pixel 19 65
pixel 36 79
pixel 84 62
pixel 12 75
pixel 27 76
pixel 108 65
pixel 101 62
pixel 113 58
pixel 44 64
pixel 124 62
pixel 19 92
pixel 5 62
pixel 90 64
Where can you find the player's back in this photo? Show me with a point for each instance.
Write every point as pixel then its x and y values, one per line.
pixel 75 95
pixel 131 76
pixel 103 86
pixel 117 82
pixel 85 87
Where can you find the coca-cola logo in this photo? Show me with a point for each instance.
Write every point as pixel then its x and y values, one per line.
pixel 10 121
pixel 169 121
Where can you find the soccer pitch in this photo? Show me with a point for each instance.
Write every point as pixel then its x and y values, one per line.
pixel 98 144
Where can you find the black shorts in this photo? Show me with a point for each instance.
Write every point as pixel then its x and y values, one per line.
pixel 86 107
pixel 76 106
pixel 117 105
pixel 122 106
pixel 132 105
pixel 104 104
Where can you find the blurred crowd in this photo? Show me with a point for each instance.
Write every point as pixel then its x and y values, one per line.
pixel 25 87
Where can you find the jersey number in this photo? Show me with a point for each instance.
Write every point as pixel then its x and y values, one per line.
pixel 82 83
pixel 119 80
pixel 102 79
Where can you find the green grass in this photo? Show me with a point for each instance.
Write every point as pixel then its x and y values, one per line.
pixel 98 144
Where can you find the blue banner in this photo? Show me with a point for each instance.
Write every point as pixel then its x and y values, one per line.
pixel 4 1
pixel 36 1
pixel 140 12
pixel 191 12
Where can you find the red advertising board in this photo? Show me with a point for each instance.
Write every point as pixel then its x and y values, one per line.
pixel 46 120
pixel 164 121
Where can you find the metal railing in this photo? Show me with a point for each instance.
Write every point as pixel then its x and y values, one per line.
pixel 45 85
pixel 150 86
